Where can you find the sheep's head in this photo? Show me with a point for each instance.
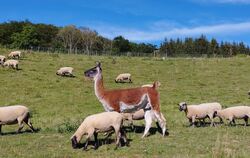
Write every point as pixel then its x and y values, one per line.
pixel 93 72
pixel 74 142
pixel 182 106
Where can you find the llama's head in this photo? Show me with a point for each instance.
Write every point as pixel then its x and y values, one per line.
pixel 93 72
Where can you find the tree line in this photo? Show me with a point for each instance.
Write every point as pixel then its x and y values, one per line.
pixel 72 39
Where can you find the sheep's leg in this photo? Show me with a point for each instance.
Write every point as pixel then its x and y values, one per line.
pixel 246 120
pixel 124 137
pixel 96 140
pixel 193 120
pixel 148 122
pixel 20 123
pixel 28 122
pixel 90 133
pixel 0 129
pixel 212 120
pixel 118 136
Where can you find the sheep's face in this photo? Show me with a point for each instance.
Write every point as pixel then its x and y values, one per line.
pixel 74 143
pixel 91 73
pixel 182 106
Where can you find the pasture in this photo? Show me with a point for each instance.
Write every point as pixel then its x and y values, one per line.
pixel 59 104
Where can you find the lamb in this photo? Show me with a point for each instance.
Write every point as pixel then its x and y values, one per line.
pixel 2 59
pixel 157 84
pixel 15 54
pixel 11 63
pixel 236 112
pixel 138 115
pixel 200 111
pixel 15 114
pixel 123 78
pixel 65 71
pixel 101 122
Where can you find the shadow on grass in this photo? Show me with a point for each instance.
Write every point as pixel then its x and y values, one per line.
pixel 140 129
pixel 101 142
pixel 21 132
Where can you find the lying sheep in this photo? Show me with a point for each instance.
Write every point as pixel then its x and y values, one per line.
pixel 232 113
pixel 123 78
pixel 15 114
pixel 157 84
pixel 15 54
pixel 2 59
pixel 138 115
pixel 65 71
pixel 200 111
pixel 11 63
pixel 101 122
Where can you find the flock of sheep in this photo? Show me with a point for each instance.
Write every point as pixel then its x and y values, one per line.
pixel 108 121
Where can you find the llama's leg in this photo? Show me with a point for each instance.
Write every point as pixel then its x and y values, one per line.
pixel 161 120
pixel 148 122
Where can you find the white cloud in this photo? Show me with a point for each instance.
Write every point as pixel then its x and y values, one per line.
pixel 228 29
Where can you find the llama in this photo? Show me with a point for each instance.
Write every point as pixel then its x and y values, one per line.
pixel 128 100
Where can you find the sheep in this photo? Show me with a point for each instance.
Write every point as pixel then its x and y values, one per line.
pixel 232 113
pixel 15 114
pixel 101 122
pixel 2 59
pixel 200 111
pixel 65 71
pixel 15 54
pixel 138 115
pixel 123 78
pixel 11 63
pixel 157 84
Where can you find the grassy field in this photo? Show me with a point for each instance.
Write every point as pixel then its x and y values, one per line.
pixel 59 104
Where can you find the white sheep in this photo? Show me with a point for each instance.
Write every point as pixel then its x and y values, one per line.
pixel 101 122
pixel 139 115
pixel 65 71
pixel 15 114
pixel 15 54
pixel 123 78
pixel 2 59
pixel 11 63
pixel 236 112
pixel 157 84
pixel 200 111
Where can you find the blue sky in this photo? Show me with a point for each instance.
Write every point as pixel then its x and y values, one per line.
pixel 140 20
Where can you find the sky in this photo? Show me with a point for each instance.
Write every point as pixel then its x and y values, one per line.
pixel 149 21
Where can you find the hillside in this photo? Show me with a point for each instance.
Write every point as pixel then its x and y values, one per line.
pixel 59 104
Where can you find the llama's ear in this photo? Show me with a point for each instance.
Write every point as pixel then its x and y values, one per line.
pixel 98 64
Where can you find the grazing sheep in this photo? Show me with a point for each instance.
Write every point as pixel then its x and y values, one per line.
pixel 157 84
pixel 65 71
pixel 2 59
pixel 15 114
pixel 236 112
pixel 15 54
pixel 200 111
pixel 11 63
pixel 123 78
pixel 101 122
pixel 139 115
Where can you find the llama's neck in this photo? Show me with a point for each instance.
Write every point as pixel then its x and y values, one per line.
pixel 99 88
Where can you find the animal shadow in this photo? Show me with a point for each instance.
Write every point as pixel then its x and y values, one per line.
pixel 21 132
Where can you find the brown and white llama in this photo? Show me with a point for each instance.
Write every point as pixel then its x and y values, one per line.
pixel 128 100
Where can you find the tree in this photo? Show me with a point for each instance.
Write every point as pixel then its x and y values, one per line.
pixel 26 38
pixel 70 37
pixel 213 47
pixel 120 44
pixel 88 38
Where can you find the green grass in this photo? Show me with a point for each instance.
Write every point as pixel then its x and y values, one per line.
pixel 59 104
